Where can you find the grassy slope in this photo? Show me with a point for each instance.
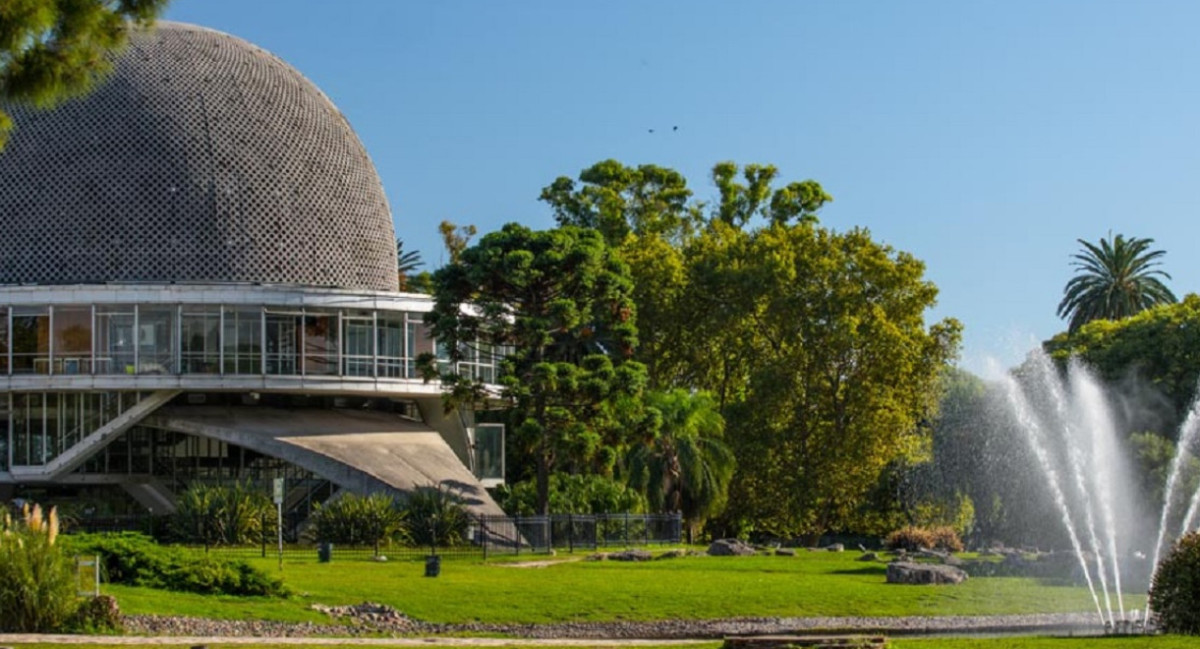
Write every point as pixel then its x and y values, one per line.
pixel 816 584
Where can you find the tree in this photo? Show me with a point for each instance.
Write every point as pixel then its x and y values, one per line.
pixel 1159 349
pixel 52 50
pixel 406 264
pixel 559 302
pixel 842 370
pixel 1115 280
pixel 687 467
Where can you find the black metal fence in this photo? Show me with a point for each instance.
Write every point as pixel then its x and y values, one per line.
pixel 483 536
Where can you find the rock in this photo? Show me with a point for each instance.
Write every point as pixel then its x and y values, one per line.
pixel 899 572
pixel 785 552
pixel 836 547
pixel 868 556
pixel 380 559
pixel 672 554
pixel 630 555
pixel 951 560
pixel 731 548
pixel 599 556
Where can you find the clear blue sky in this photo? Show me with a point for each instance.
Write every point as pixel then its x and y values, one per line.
pixel 984 137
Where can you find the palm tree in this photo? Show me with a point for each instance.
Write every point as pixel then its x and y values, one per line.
pixel 1116 279
pixel 406 263
pixel 687 467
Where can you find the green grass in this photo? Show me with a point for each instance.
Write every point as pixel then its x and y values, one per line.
pixel 1146 642
pixel 468 590
pixel 1127 642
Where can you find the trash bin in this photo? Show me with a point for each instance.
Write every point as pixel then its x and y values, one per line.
pixel 324 552
pixel 433 565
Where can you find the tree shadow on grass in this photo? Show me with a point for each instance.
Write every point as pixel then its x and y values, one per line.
pixel 865 570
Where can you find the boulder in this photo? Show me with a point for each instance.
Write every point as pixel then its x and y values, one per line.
pixel 731 548
pixel 630 555
pixel 785 552
pixel 836 547
pixel 899 572
pixel 868 556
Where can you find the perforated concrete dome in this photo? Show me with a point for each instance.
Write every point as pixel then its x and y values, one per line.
pixel 201 159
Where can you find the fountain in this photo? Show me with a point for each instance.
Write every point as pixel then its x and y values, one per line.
pixel 1068 426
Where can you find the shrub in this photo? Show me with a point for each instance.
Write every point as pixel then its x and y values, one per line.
pixel 359 520
pixel 37 578
pixel 913 538
pixel 1175 593
pixel 136 560
pixel 223 515
pixel 946 538
pixel 436 517
pixel 574 494
pixel 98 614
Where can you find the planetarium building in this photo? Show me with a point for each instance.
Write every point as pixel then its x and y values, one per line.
pixel 198 283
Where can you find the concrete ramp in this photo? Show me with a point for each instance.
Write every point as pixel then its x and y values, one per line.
pixel 360 451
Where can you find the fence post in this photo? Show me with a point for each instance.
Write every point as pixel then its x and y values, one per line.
pixel 549 533
pixel 570 534
pixel 517 534
pixel 626 528
pixel 645 529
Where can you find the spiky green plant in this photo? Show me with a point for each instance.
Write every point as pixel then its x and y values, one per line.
pixel 37 579
pixel 359 520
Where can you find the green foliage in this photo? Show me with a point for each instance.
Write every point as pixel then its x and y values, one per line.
pixel 687 466
pixel 573 494
pixel 223 515
pixel 1175 593
pixel 1115 280
pixel 51 50
pixel 407 264
pixel 135 559
pixel 359 520
pixel 436 517
pixel 37 577
pixel 559 302
pixel 1159 347
pixel 617 201
pixel 840 369
pixel 812 343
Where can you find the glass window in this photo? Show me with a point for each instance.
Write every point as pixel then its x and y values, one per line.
pixel 243 341
pixel 156 340
pixel 320 343
pixel 358 348
pixel 31 340
pixel 200 347
pixel 283 343
pixel 489 451
pixel 4 351
pixel 27 429
pixel 392 361
pixel 114 339
pixel 72 340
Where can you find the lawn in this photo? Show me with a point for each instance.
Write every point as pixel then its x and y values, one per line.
pixel 1143 642
pixel 469 590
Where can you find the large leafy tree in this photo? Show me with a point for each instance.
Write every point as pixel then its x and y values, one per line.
pixel 51 50
pixel 559 302
pixel 1115 280
pixel 687 466
pixel 843 369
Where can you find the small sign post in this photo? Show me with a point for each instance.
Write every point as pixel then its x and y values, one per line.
pixel 279 516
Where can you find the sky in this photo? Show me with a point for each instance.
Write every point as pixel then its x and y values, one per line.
pixel 983 137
